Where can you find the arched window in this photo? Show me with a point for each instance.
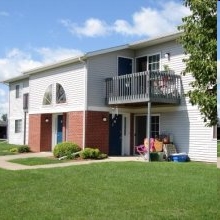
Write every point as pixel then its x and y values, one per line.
pixel 48 96
pixel 60 94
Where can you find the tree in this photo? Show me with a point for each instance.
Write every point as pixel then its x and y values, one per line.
pixel 4 117
pixel 199 41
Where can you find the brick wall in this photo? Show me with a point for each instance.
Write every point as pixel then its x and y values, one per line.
pixel 75 127
pixel 97 130
pixel 34 132
pixel 40 132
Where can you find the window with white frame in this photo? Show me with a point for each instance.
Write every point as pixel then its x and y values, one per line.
pixel 151 63
pixel 60 94
pixel 17 91
pixel 155 126
pixel 154 62
pixel 18 126
pixel 47 100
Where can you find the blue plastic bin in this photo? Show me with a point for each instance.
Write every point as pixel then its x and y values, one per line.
pixel 178 157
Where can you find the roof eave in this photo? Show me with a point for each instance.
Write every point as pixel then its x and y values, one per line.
pixel 155 40
pixel 54 65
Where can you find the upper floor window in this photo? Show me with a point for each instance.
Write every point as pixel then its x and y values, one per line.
pixel 154 63
pixel 60 94
pixel 18 126
pixel 17 88
pixel 47 100
pixel 151 63
pixel 25 100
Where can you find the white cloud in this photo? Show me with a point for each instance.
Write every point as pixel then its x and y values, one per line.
pixel 145 22
pixel 3 108
pixel 2 93
pixel 16 61
pixel 3 102
pixel 53 55
pixel 4 13
pixel 91 28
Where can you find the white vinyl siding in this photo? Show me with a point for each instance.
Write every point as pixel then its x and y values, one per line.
pixel 99 68
pixel 72 79
pixel 190 134
pixel 16 112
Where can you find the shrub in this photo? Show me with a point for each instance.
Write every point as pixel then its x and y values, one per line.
pixel 14 150
pixel 92 153
pixel 23 149
pixel 66 149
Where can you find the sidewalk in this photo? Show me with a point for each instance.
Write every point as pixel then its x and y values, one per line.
pixel 218 162
pixel 5 164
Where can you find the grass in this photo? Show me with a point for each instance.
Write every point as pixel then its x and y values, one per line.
pixel 32 161
pixel 5 148
pixel 126 190
pixel 218 149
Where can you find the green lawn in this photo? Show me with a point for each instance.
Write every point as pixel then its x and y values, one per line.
pixel 32 161
pixel 5 148
pixel 126 190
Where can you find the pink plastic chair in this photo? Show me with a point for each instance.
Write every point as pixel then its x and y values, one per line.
pixel 143 149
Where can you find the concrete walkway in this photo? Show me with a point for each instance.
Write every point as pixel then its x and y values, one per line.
pixel 218 162
pixel 5 164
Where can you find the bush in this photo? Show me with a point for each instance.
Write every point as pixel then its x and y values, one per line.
pixel 23 149
pixel 66 149
pixel 14 150
pixel 92 153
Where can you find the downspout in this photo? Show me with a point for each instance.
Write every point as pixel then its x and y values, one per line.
pixel 25 118
pixel 85 102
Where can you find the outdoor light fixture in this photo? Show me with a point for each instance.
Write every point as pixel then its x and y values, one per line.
pixel 104 119
pixel 167 55
pixel 46 120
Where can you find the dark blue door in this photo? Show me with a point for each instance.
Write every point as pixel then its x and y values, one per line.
pixel 115 135
pixel 124 66
pixel 59 128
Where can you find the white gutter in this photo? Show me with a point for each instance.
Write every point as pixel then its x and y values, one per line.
pixel 85 101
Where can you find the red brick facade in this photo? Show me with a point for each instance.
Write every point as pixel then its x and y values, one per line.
pixel 40 132
pixel 75 127
pixel 97 130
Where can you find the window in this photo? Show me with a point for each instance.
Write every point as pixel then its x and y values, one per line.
pixel 60 94
pixel 48 96
pixel 155 126
pixel 17 88
pixel 25 100
pixel 154 63
pixel 18 126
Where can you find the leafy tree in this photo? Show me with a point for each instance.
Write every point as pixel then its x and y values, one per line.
pixel 199 41
pixel 4 117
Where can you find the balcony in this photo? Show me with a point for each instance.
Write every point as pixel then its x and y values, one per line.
pixel 139 88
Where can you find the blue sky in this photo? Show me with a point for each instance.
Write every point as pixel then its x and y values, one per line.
pixel 37 32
